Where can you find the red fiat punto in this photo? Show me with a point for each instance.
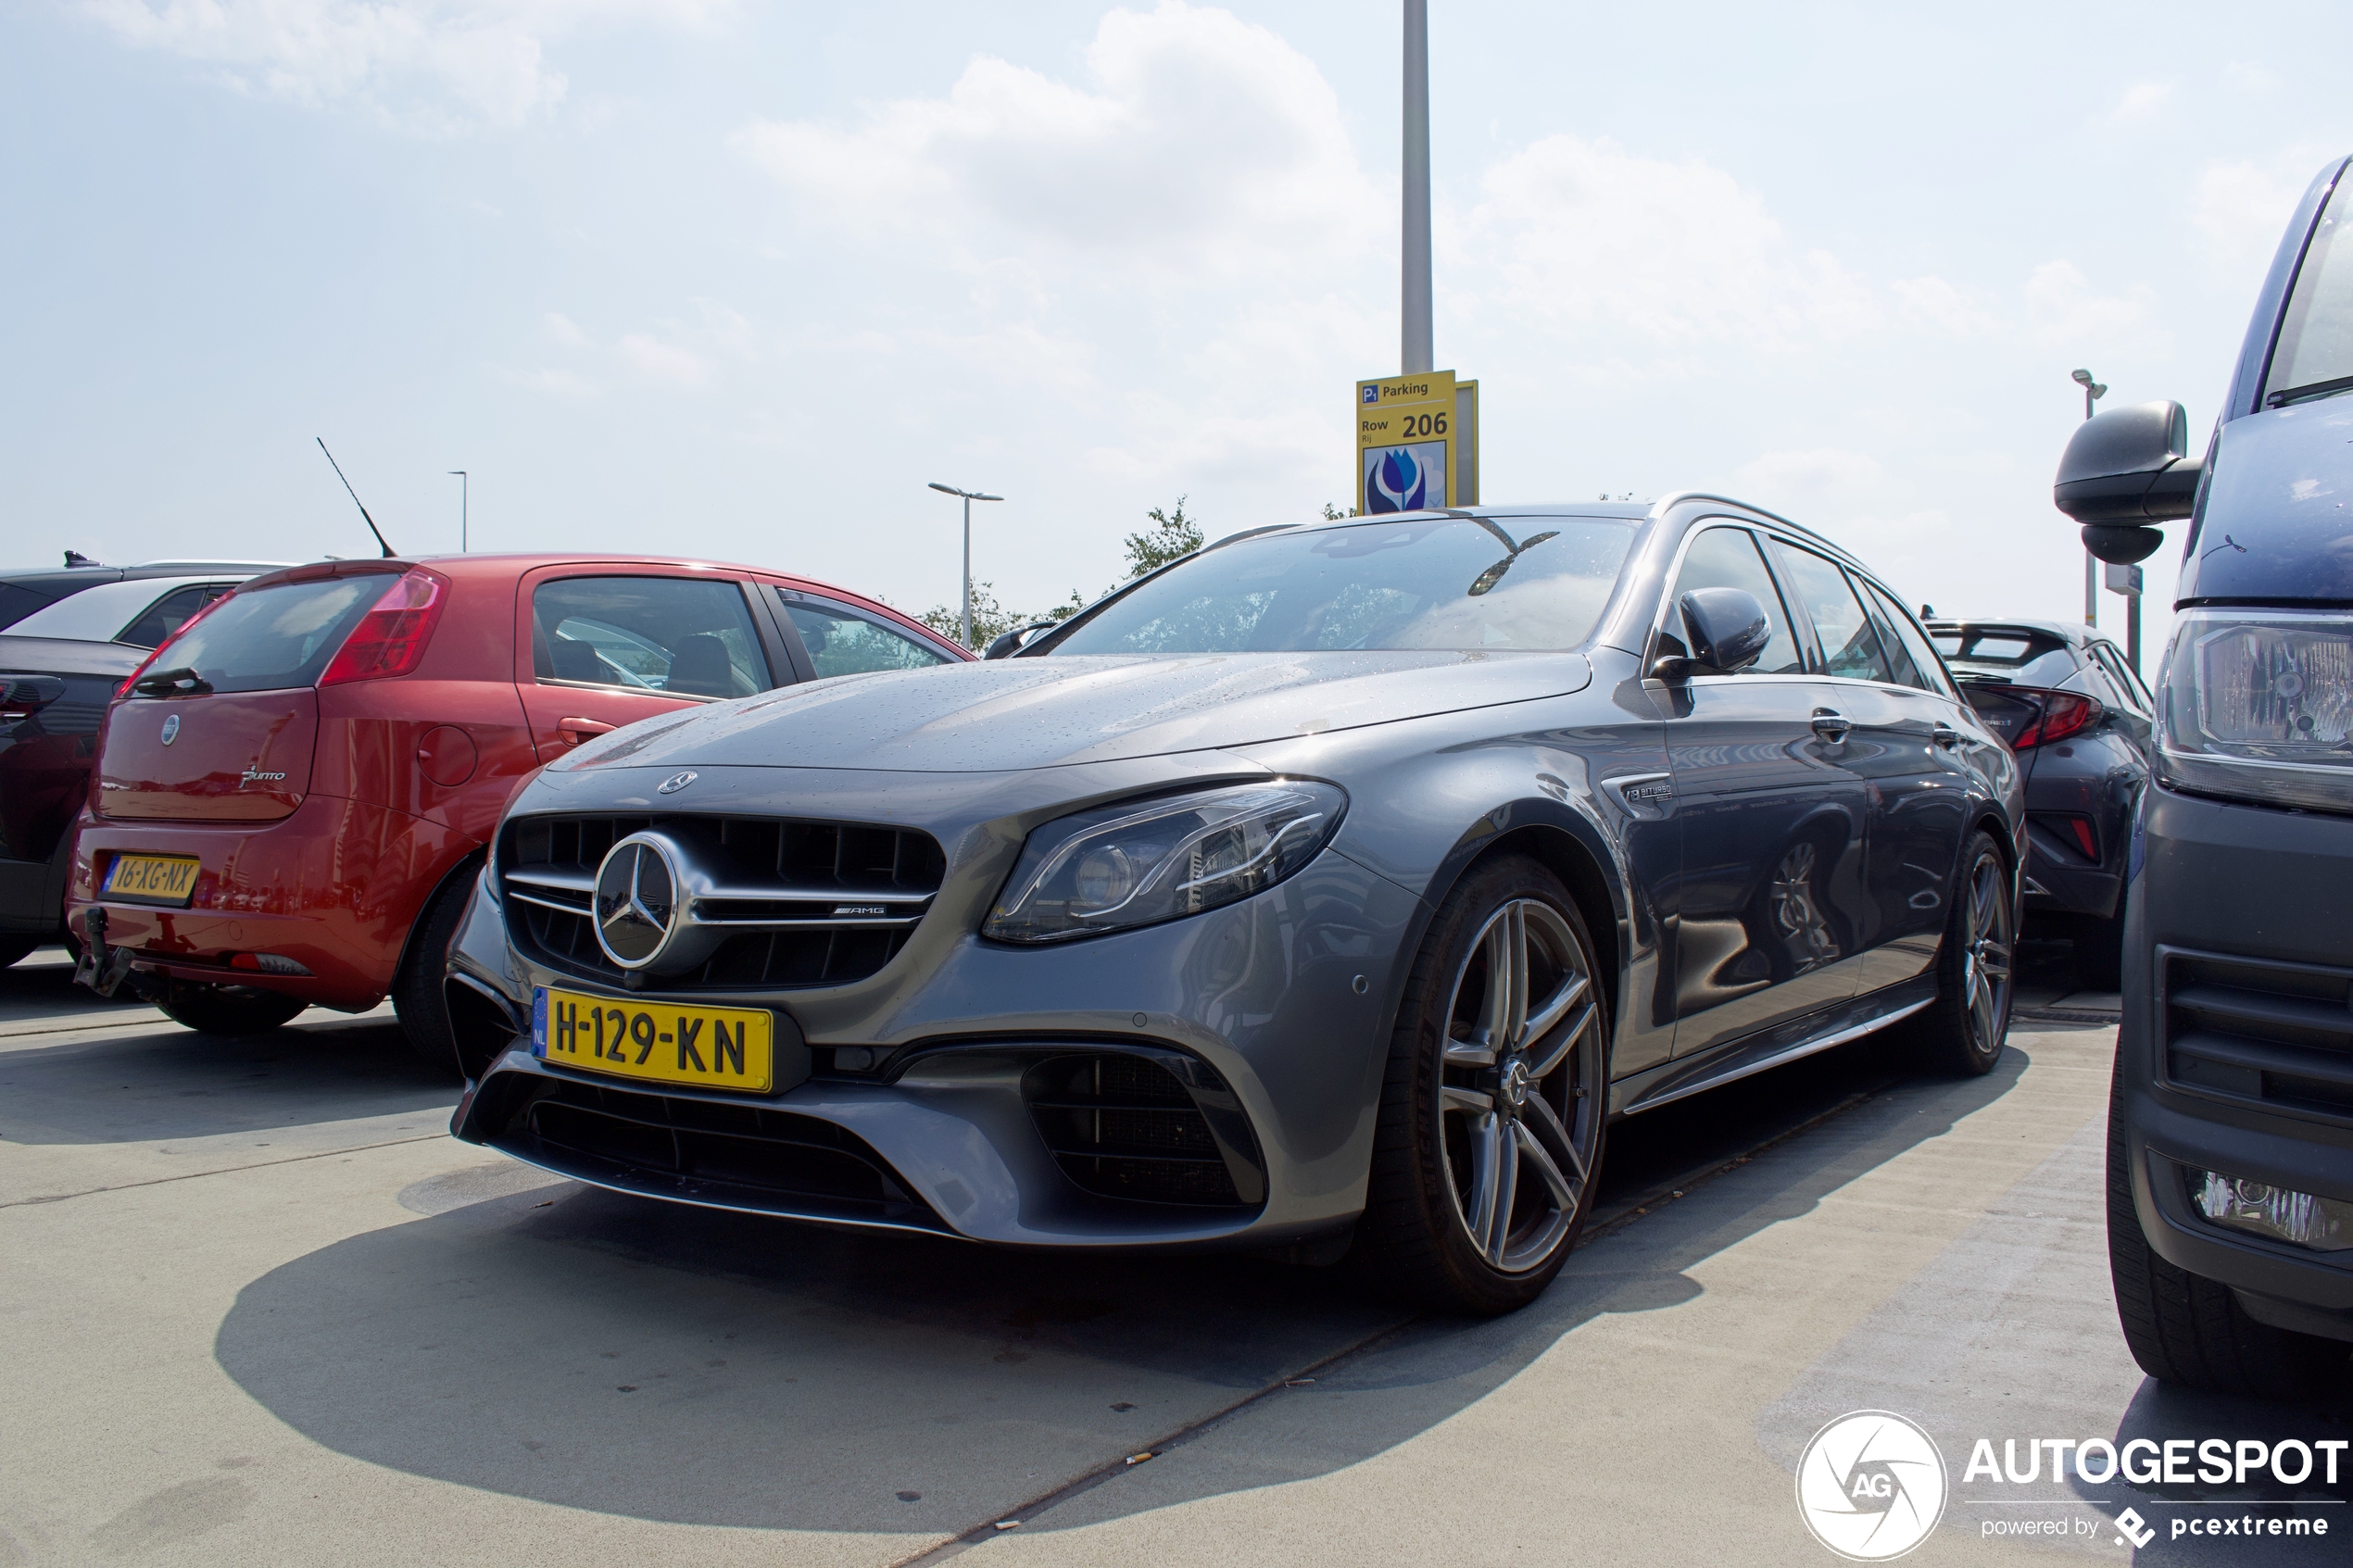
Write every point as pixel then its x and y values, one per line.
pixel 294 794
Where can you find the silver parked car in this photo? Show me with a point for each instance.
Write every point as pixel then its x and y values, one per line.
pixel 1336 883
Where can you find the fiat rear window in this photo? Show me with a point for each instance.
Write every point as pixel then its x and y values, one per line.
pixel 272 638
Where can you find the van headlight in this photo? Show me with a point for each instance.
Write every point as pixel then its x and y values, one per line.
pixel 1141 863
pixel 2258 706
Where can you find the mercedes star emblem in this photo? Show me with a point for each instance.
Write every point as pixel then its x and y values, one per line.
pixel 636 901
pixel 677 782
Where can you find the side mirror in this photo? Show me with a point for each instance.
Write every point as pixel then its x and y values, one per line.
pixel 1726 627
pixel 2124 469
pixel 1011 643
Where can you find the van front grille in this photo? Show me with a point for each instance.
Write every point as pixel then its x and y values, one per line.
pixel 2277 1034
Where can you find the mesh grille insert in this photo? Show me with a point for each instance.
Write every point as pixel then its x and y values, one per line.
pixel 1121 1125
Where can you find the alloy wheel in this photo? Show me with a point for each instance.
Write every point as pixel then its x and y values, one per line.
pixel 1985 962
pixel 1519 1091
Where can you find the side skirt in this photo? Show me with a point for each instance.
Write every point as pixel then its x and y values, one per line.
pixel 1771 1048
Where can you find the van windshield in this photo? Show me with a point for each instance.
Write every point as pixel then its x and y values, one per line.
pixel 2314 355
pixel 1507 582
pixel 273 638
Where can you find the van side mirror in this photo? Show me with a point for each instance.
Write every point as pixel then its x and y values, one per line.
pixel 1726 627
pixel 2125 470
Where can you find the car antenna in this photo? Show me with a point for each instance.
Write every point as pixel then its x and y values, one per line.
pixel 354 497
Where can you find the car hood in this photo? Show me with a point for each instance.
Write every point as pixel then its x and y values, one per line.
pixel 2276 523
pixel 1020 713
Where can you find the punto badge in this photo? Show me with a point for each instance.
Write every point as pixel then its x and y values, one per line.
pixel 171 728
pixel 675 783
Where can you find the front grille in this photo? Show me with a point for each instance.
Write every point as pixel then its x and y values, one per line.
pixel 1123 1125
pixel 799 1162
pixel 2280 1035
pixel 786 881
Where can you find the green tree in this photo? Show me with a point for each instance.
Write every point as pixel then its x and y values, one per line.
pixel 1172 536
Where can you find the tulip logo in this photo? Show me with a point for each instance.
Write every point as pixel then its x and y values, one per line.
pixel 1871 1486
pixel 1405 479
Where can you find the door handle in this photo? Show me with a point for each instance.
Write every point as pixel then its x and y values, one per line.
pixel 1946 736
pixel 1829 725
pixel 578 730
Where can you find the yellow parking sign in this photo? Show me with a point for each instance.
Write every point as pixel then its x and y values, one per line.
pixel 1417 442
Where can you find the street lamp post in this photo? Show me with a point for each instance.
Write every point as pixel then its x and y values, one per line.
pixel 969 496
pixel 463 485
pixel 2093 392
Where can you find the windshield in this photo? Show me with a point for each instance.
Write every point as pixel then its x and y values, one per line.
pixel 1514 582
pixel 276 637
pixel 2315 351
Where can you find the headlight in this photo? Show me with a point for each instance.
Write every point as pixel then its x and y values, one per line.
pixel 2258 705
pixel 1146 862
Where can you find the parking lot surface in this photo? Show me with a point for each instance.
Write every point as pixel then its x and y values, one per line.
pixel 262 1309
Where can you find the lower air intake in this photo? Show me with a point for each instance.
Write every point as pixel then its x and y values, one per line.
pixel 1158 1128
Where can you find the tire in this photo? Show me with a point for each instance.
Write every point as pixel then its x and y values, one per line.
pixel 418 996
pixel 13 948
pixel 2099 951
pixel 1472 1075
pixel 1962 1031
pixel 2186 1329
pixel 229 1009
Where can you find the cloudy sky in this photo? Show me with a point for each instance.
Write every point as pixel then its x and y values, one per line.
pixel 736 279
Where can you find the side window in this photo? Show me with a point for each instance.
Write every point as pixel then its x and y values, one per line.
pixel 680 637
pixel 1914 659
pixel 2120 675
pixel 1850 646
pixel 842 642
pixel 166 615
pixel 1727 558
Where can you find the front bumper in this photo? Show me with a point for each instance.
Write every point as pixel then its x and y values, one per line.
pixel 2237 965
pixel 335 886
pixel 1272 1011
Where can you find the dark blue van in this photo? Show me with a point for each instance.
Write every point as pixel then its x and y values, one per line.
pixel 2230 1186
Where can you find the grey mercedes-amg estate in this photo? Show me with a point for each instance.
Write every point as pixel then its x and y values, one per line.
pixel 1336 883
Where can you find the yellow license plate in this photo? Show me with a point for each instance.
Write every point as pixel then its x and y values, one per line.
pixel 151 879
pixel 658 1041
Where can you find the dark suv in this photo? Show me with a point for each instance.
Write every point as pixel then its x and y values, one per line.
pixel 2074 709
pixel 2231 1137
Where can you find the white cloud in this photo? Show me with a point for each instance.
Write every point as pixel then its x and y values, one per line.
pixel 1948 307
pixel 2064 308
pixel 429 65
pixel 1199 147
pixel 560 329
pixel 1804 479
pixel 1681 253
pixel 2141 103
pixel 2240 207
pixel 666 363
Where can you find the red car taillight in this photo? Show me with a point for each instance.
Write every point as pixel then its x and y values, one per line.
pixel 2063 713
pixel 390 639
pixel 133 679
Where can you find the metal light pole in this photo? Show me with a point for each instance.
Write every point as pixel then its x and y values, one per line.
pixel 464 484
pixel 1418 355
pixel 970 496
pixel 2093 392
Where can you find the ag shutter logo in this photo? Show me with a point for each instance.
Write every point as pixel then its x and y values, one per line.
pixel 1871 1486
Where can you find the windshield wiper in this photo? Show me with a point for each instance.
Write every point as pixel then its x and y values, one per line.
pixel 182 681
pixel 2309 390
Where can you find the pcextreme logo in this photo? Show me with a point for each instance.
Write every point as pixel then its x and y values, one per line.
pixel 1871 1486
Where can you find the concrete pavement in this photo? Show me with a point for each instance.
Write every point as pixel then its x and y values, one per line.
pixel 263 1311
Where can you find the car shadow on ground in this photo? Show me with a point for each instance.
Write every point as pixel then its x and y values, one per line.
pixel 162 1082
pixel 579 1347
